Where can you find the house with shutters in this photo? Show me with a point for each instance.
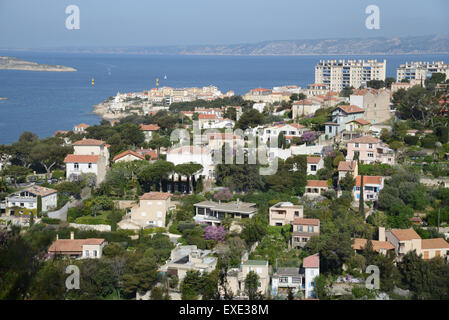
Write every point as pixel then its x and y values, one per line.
pixel 151 211
pixel 91 248
pixel 283 213
pixel 90 156
pixel 149 130
pixel 340 116
pixel 314 164
pixel 369 150
pixel 303 230
pixel 28 198
pixel 371 187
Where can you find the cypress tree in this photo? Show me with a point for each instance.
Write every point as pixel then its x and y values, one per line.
pixel 39 205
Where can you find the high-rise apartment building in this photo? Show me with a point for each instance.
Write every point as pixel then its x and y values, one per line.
pixel 338 74
pixel 421 70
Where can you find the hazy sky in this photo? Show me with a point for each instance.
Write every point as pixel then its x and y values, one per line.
pixel 41 23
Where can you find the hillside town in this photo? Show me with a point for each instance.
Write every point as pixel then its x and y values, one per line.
pixel 283 193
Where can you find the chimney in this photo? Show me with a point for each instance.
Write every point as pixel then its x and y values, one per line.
pixel 57 236
pixel 72 235
pixel 381 234
pixel 238 202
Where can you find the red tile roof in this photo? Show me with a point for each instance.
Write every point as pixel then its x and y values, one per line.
pixel 207 116
pixel 149 127
pixel 436 243
pixel 306 222
pixel 365 140
pixel 359 244
pixel 368 180
pixel 405 234
pixel 88 142
pixel 129 152
pixel 317 183
pixel 82 125
pixel 311 261
pixel 155 196
pixel 41 191
pixel 62 246
pixel 361 121
pixel 347 165
pixel 314 160
pixel 71 158
pixel 351 109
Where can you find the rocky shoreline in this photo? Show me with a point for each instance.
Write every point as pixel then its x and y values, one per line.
pixel 10 63
pixel 102 110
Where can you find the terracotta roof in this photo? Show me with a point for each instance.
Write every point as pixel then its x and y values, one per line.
pixel 88 142
pixel 155 196
pixel 311 261
pixel 82 125
pixel 368 180
pixel 317 183
pixel 149 127
pixel 405 234
pixel 436 243
pixel 72 246
pixel 365 139
pixel 359 244
pixel 306 221
pixel 70 158
pixel 331 124
pixel 361 121
pixel 207 116
pixel 313 160
pixel 40 191
pixel 129 152
pixel 351 109
pixel 347 166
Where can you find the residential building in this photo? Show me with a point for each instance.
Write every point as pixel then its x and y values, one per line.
pixel 314 164
pixel 304 107
pixel 345 167
pixel 289 131
pixel 421 70
pixel 149 130
pixel 316 187
pixel 91 248
pixel 152 154
pixel 90 156
pixel 380 246
pixel 337 75
pixel 371 187
pixel 236 277
pixel 286 278
pixel 283 213
pixel 80 128
pixel 340 116
pixel 375 103
pixel 259 106
pixel 311 265
pixel 28 198
pixel 303 230
pixel 354 129
pixel 151 211
pixel 185 258
pixel 315 89
pixel 370 150
pixel 128 156
pixel 212 213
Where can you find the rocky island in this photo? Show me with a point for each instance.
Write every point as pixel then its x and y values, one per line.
pixel 3 98
pixel 10 63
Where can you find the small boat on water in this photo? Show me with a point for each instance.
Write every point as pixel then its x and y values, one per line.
pixel 165 77
pixel 93 81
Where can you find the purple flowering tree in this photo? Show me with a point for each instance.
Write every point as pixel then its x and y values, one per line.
pixel 308 136
pixel 223 195
pixel 214 233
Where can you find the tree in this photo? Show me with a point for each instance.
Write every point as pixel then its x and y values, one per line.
pixel 140 277
pixel 49 153
pixel 191 285
pixel 376 84
pixel 249 119
pixel 16 172
pixel 214 233
pixel 39 205
pixel 347 183
pixel 252 284
pixel 223 195
pixel 346 92
pixel 361 199
pixel 389 81
pixel 189 170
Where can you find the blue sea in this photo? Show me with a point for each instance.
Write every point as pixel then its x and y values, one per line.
pixel 43 102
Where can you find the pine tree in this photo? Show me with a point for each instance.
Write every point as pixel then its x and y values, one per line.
pixel 361 200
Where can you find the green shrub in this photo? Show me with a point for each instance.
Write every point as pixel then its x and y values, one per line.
pixel 50 220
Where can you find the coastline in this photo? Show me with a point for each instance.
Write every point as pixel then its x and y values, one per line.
pixel 11 63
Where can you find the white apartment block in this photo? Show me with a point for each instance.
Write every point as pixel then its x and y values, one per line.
pixel 338 74
pixel 421 70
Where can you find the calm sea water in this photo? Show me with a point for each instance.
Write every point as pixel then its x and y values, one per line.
pixel 43 102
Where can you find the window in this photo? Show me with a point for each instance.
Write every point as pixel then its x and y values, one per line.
pixel 310 228
pixel 22 204
pixel 259 270
pixel 356 145
pixel 159 214
pixel 283 279
pixel 296 213
pixel 76 165
pixel 313 167
pixel 370 145
pixel 370 154
pixel 89 165
pixel 86 253
pixel 95 253
pixel 299 228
